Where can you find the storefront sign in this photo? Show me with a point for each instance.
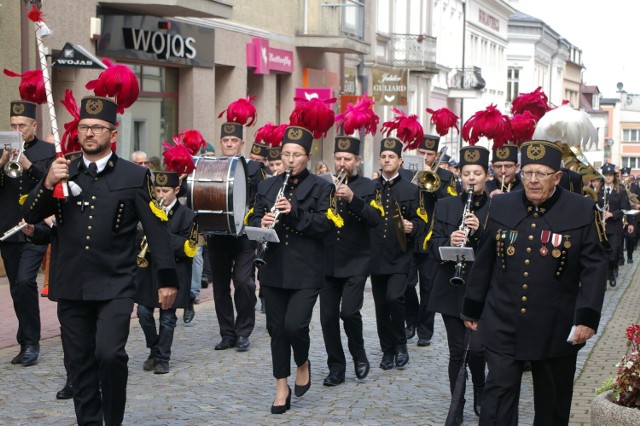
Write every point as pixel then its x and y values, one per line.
pixel 350 80
pixel 390 86
pixel 150 38
pixel 76 56
pixel 488 21
pixel 309 93
pixel 266 59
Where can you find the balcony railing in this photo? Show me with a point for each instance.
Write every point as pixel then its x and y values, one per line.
pixel 332 18
pixel 467 79
pixel 413 51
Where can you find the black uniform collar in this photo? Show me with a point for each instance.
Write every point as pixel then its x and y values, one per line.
pixel 390 182
pixel 294 181
pixel 544 207
pixel 31 143
pixel 353 178
pixel 478 200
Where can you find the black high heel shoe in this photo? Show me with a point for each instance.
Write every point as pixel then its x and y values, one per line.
pixel 301 390
pixel 281 409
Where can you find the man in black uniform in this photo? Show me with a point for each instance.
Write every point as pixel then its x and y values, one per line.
pixel 504 162
pixel 231 257
pixel 96 260
pixel 392 250
pixel 21 259
pixel 629 220
pixel 537 286
pixel 423 266
pixel 347 256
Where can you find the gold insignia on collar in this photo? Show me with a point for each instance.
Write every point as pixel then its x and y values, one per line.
pixel 94 106
pixel 294 134
pixel 228 129
pixel 389 143
pixel 18 108
pixel 471 155
pixel 502 153
pixel 535 151
pixel 344 144
pixel 161 179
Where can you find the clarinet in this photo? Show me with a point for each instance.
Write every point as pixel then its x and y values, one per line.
pixel 457 276
pixel 262 248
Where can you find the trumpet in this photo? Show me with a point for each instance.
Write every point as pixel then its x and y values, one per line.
pixel 457 276
pixel 13 168
pixel 262 248
pixel 341 177
pixel 12 231
pixel 141 258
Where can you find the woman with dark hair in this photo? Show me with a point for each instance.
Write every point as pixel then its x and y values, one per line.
pixel 321 168
pixel 457 227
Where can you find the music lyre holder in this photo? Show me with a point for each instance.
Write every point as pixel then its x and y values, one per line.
pixel 261 235
pixel 457 254
pixel 10 140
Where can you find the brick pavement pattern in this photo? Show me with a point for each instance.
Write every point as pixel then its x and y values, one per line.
pixel 207 387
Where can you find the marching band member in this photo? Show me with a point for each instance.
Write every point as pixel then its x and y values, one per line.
pixel 504 162
pixel 455 230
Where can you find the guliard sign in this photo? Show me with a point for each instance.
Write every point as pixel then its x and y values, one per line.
pixel 150 38
pixel 390 86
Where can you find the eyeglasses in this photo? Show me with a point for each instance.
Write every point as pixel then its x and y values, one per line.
pixel 20 126
pixel 539 175
pixel 96 130
pixel 295 155
pixel 504 166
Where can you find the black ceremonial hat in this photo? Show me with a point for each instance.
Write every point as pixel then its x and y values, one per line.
pixel 99 108
pixel 299 136
pixel 231 129
pixel 274 153
pixel 508 152
pixel 478 155
pixel 541 152
pixel 391 144
pixel 23 109
pixel 609 169
pixel 347 144
pixel 166 179
pixel 259 149
pixel 430 142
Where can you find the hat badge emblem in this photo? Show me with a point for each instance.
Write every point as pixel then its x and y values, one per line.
pixel 255 149
pixel 471 155
pixel 389 143
pixel 502 153
pixel 535 151
pixel 18 108
pixel 274 153
pixel 161 179
pixel 94 106
pixel 294 134
pixel 429 143
pixel 344 144
pixel 228 128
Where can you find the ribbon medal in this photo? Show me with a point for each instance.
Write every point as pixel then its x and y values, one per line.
pixel 544 237
pixel 555 241
pixel 567 243
pixel 513 236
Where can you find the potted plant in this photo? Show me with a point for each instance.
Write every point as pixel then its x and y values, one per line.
pixel 618 402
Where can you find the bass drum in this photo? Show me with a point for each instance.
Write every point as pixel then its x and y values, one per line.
pixel 217 192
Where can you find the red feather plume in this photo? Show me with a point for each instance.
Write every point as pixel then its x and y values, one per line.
pixel 359 117
pixel 177 157
pixel 241 111
pixel 270 134
pixel 117 81
pixel 193 140
pixel 69 141
pixel 31 85
pixel 490 123
pixel 408 129
pixel 523 125
pixel 444 119
pixel 535 102
pixel 35 14
pixel 314 115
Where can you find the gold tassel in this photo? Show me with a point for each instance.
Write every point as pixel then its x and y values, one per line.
pixel 426 239
pixel 190 249
pixel 22 199
pixel 422 213
pixel 377 206
pixel 452 191
pixel 335 218
pixel 162 215
pixel 245 221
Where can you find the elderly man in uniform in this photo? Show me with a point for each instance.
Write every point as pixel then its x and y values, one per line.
pixel 21 259
pixel 231 257
pixel 536 287
pixel 96 260
pixel 504 162
pixel 347 257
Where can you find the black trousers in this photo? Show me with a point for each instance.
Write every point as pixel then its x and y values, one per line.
pixel 388 296
pixel 457 339
pixel 159 340
pixel 630 243
pixel 552 389
pixel 288 316
pixel 231 258
pixel 423 271
pixel 22 262
pixel 349 291
pixel 97 334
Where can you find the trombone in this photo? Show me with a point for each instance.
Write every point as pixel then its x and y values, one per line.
pixel 429 179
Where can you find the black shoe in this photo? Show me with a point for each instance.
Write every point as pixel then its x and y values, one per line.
pixel 410 331
pixel 204 283
pixel 225 343
pixel 242 344
pixel 30 356
pixel 612 280
pixel 629 260
pixel 18 358
pixel 424 342
pixel 362 369
pixel 301 390
pixel 387 361
pixel 162 367
pixel 66 392
pixel 281 409
pixel 621 261
pixel 402 356
pixel 477 399
pixel 262 308
pixel 526 366
pixel 334 378
pixel 149 364
pixel 189 313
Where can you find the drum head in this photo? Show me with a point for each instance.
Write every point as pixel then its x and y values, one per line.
pixel 237 194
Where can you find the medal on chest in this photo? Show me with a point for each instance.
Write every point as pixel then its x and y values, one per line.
pixel 556 239
pixel 513 236
pixel 544 238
